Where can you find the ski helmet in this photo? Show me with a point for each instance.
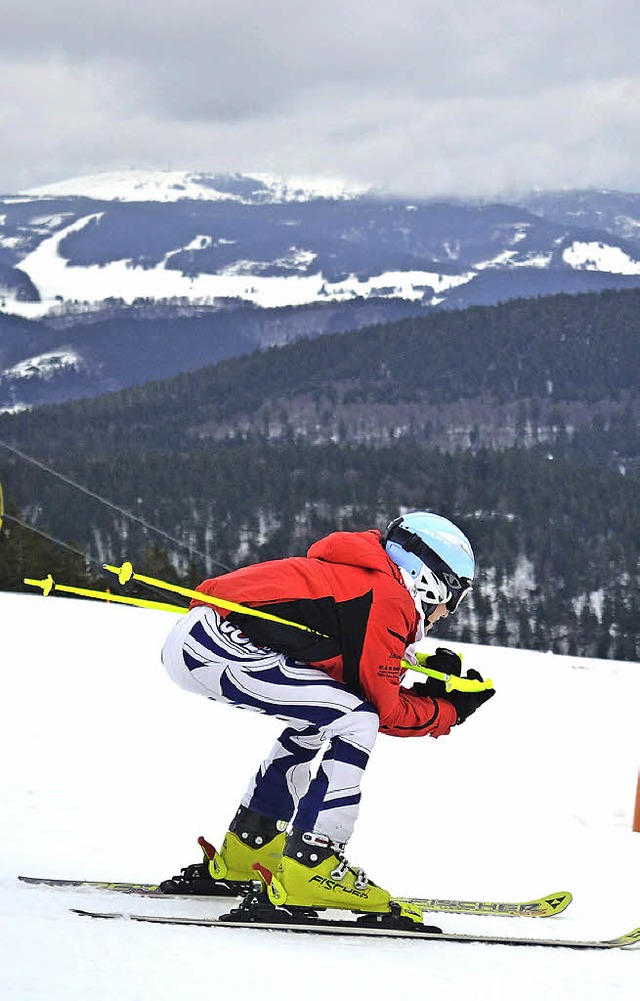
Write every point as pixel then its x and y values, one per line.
pixel 437 556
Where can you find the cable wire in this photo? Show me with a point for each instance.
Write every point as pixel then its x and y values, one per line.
pixel 108 503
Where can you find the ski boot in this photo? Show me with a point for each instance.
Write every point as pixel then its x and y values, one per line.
pixel 251 838
pixel 314 875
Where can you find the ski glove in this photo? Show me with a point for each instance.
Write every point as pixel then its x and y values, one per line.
pixel 443 660
pixel 466 703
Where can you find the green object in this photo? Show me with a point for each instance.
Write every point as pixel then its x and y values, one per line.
pixel 539 907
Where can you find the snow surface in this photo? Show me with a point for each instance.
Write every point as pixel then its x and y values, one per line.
pixel 109 771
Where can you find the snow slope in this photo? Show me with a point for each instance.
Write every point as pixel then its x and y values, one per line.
pixel 109 771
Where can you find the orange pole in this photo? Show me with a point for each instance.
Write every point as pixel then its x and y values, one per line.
pixel 636 815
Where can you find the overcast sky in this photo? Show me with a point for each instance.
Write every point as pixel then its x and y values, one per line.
pixel 423 97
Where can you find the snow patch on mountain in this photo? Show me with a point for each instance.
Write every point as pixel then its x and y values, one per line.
pixel 511 259
pixel 10 242
pixel 16 408
pixel 628 226
pixel 49 222
pixel 593 256
pixel 45 366
pixel 57 280
pixel 295 260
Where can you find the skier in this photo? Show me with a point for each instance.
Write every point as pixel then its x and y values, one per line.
pixel 327 660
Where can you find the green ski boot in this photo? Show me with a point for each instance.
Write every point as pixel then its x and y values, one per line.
pixel 251 838
pixel 314 874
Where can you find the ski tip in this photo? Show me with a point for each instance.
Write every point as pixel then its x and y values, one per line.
pixel 97 914
pixel 557 902
pixel 631 938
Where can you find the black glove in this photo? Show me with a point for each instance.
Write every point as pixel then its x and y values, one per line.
pixel 466 703
pixel 443 660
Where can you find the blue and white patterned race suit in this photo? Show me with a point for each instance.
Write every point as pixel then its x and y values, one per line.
pixel 209 656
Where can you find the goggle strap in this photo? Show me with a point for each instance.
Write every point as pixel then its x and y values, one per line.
pixel 412 543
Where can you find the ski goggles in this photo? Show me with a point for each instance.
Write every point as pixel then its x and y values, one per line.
pixel 457 587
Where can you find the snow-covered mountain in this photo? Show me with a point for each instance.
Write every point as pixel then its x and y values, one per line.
pixel 259 239
pixel 177 185
pixel 181 242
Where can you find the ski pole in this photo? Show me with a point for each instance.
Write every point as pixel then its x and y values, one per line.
pixel 478 686
pixel 125 573
pixel 48 585
pixel 452 682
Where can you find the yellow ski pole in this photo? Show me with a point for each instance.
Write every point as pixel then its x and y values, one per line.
pixel 48 585
pixel 451 681
pixel 125 573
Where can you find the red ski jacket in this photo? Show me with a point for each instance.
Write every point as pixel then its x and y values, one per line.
pixel 348 590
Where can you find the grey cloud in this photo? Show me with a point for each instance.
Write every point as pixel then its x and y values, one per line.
pixel 419 93
pixel 432 48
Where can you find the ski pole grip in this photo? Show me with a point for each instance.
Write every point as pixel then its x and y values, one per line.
pixel 451 681
pixel 124 573
pixel 47 584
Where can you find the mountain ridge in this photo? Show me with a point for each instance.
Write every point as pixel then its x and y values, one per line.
pixel 265 245
pixel 526 371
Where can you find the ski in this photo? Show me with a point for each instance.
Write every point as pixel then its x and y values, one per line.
pixel 367 927
pixel 141 889
pixel 222 889
pixel 540 907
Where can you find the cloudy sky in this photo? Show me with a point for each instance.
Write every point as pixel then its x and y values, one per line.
pixel 422 97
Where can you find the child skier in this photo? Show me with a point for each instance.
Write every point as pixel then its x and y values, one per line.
pixel 326 658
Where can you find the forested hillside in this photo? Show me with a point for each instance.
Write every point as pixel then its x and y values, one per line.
pixel 228 462
pixel 558 545
pixel 525 372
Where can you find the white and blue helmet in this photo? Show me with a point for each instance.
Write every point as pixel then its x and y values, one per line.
pixel 435 554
